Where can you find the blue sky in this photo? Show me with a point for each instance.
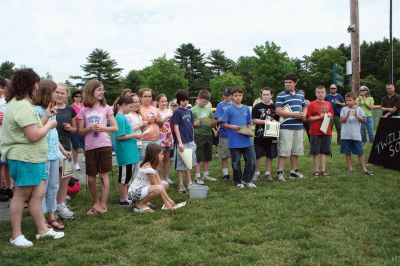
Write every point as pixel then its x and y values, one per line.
pixel 57 36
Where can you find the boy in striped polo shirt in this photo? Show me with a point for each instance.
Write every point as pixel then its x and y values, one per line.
pixel 291 107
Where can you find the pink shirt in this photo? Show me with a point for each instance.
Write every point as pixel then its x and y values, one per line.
pixel 149 113
pixel 77 108
pixel 96 115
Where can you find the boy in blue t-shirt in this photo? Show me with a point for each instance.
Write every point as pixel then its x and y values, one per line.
pixel 223 150
pixel 182 120
pixel 237 117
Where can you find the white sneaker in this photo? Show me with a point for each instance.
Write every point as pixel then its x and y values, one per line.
pixel 51 234
pixel 240 186
pixel 280 176
pixel 21 242
pixel 76 166
pixel 209 178
pixel 268 178
pixel 64 212
pixel 200 181
pixel 256 177
pixel 251 185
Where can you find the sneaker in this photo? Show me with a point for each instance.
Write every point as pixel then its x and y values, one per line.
pixel 21 242
pixel 296 174
pixel 256 177
pixel 226 177
pixel 280 176
pixel 369 173
pixel 251 185
pixel 181 189
pixel 240 185
pixel 51 234
pixel 76 166
pixel 268 177
pixel 200 181
pixel 63 212
pixel 125 203
pixel 209 178
pixel 169 181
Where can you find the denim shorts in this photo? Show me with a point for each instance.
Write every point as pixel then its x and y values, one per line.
pixel 27 174
pixel 178 163
pixel 349 146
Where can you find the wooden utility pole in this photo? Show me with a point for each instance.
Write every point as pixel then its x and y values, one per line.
pixel 391 44
pixel 354 30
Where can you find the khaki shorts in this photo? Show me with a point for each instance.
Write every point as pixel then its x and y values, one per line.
pixel 223 151
pixel 98 161
pixel 290 142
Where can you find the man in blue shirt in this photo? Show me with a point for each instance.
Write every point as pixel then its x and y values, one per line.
pixel 291 107
pixel 337 102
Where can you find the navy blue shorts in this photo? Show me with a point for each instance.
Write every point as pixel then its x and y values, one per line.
pixel 349 146
pixel 77 141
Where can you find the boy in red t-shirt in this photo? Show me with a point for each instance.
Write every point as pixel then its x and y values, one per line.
pixel 320 141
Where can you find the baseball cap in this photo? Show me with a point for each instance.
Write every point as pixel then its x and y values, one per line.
pixel 228 92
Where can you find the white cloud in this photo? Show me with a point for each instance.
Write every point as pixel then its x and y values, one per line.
pixel 57 36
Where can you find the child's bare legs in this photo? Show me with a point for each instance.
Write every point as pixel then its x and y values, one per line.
pixel 21 195
pixel 258 163
pixel 281 163
pixel 316 159
pixel 323 162
pixel 35 207
pixel 362 162
pixel 294 162
pixel 154 191
pixel 93 190
pixel 123 192
pixel 166 164
pixel 268 165
pixel 106 190
pixel 205 166
pixel 188 176
pixel 349 162
pixel 197 168
pixel 180 181
pixel 62 190
pixel 75 155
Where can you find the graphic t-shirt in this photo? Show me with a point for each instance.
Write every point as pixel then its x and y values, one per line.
pixel 351 129
pixel 264 112
pixel 97 114
pixel 184 119
pixel 219 112
pixel 316 108
pixel 54 152
pixel 239 116
pixel 201 113
pixel 126 151
pixel 15 145
pixel 149 113
pixel 65 115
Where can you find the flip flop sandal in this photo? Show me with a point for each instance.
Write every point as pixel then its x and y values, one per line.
pixel 315 174
pixel 53 223
pixel 143 209
pixel 91 212
pixel 324 174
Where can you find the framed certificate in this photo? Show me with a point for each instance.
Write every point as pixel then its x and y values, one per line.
pixel 271 129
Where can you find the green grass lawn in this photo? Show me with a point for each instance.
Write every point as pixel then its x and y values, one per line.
pixel 336 220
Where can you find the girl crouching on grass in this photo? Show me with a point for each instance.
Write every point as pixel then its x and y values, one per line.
pixel 24 145
pixel 147 184
pixel 126 149
pixel 98 157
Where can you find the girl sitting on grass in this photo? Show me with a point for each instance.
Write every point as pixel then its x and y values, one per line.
pixel 147 184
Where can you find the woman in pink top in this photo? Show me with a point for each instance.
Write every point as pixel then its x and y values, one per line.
pixel 151 115
pixel 77 140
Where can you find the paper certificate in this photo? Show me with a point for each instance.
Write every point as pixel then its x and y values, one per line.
pixel 245 131
pixel 287 109
pixel 271 129
pixel 186 157
pixel 67 169
pixel 325 124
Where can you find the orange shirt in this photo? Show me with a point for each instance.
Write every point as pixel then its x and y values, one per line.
pixel 316 108
pixel 149 114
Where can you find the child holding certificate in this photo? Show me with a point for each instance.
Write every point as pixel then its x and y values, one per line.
pixel 319 115
pixel 264 146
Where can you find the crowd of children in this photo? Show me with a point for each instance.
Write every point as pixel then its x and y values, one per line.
pixel 38 127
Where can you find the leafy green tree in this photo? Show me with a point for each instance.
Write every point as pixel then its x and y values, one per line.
pixel 219 63
pixel 377 88
pixel 102 67
pixel 132 80
pixel 271 65
pixel 164 76
pixel 244 68
pixel 192 61
pixel 7 69
pixel 218 84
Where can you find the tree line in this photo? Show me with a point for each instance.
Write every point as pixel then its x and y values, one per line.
pixel 193 70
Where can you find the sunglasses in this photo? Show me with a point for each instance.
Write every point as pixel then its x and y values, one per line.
pixel 363 90
pixel 77 96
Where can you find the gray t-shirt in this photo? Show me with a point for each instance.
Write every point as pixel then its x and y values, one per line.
pixel 351 129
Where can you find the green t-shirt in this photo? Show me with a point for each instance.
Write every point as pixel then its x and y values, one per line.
pixel 15 145
pixel 363 104
pixel 202 113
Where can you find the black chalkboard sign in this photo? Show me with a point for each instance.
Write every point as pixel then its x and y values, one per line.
pixel 386 148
